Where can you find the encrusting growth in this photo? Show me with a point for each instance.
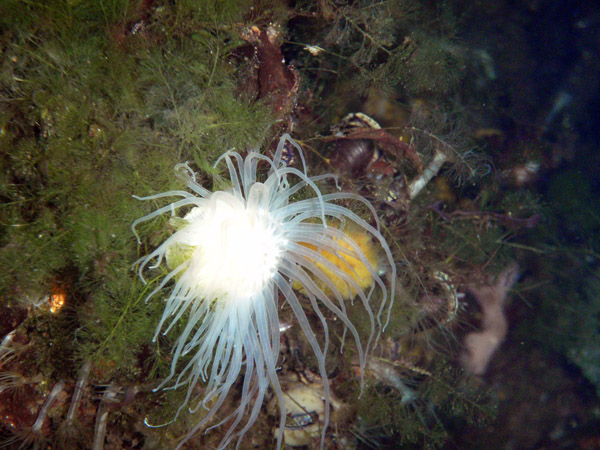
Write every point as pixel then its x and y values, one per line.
pixel 234 254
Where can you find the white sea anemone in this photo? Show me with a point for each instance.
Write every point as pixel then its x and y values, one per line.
pixel 234 255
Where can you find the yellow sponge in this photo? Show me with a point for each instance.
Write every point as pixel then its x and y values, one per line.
pixel 347 264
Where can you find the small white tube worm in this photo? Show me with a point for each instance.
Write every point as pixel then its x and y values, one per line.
pixel 386 373
pixel 102 416
pixel 32 437
pixel 84 373
pixel 432 169
pixel 57 389
pixel 7 351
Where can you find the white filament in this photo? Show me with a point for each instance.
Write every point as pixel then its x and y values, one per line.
pixel 246 249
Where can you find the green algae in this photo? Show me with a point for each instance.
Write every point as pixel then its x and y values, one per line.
pixel 100 100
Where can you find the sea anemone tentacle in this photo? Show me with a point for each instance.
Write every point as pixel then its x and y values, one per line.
pixel 231 258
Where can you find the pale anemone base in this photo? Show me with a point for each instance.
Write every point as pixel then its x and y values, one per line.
pixel 243 249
